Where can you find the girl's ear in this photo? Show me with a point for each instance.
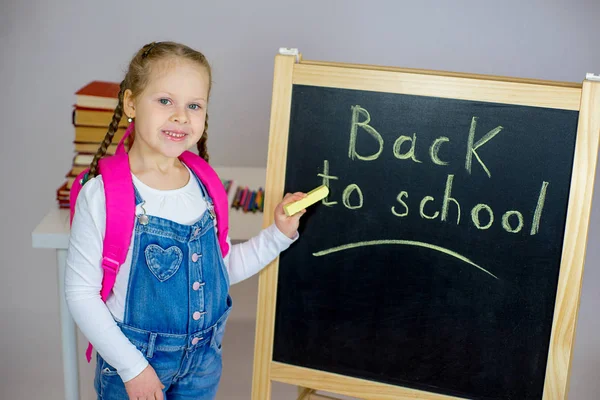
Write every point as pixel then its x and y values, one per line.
pixel 128 104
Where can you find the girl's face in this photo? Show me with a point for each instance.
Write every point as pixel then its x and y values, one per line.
pixel 171 110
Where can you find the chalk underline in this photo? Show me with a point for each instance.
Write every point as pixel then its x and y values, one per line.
pixel 404 243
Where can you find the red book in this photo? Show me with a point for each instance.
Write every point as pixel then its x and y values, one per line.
pixel 99 95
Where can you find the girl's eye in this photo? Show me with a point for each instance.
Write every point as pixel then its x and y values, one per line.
pixel 164 102
pixel 195 106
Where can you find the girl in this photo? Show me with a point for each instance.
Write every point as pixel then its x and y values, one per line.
pixel 159 333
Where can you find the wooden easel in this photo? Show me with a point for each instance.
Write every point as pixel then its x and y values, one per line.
pixel 290 70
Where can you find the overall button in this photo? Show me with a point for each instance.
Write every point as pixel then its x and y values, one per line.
pixel 196 256
pixel 196 340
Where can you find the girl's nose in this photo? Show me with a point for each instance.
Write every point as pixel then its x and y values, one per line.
pixel 179 116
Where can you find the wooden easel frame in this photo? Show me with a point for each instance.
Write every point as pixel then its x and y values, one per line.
pixel 585 98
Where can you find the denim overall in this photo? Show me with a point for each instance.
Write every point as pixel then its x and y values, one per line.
pixel 176 308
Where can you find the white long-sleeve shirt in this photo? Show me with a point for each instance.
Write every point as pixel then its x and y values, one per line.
pixel 83 279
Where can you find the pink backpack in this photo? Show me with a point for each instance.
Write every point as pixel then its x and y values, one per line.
pixel 120 208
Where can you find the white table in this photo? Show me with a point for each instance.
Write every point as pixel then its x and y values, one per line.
pixel 53 233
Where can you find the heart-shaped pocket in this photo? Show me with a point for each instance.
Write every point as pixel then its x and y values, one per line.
pixel 163 263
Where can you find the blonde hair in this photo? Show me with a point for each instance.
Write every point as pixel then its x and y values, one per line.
pixel 136 79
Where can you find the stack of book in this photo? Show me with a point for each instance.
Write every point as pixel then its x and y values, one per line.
pixel 91 116
pixel 248 200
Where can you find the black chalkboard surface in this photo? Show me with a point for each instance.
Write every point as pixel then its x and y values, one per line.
pixel 433 264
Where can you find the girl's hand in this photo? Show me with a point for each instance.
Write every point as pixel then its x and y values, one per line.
pixel 288 225
pixel 145 386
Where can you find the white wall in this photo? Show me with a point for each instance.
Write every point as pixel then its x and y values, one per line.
pixel 51 48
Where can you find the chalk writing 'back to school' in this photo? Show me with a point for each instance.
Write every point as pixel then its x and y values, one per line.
pixel 482 216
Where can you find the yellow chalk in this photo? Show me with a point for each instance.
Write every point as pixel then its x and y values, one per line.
pixel 311 198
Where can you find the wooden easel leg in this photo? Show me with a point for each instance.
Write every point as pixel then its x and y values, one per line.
pixel 304 393
pixel 311 394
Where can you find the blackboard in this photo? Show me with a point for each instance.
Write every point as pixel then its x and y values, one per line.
pixel 421 296
pixel 389 293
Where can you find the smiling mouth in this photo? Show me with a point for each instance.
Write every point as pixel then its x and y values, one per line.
pixel 175 135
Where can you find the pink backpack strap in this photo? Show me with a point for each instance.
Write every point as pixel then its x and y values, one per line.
pixel 216 191
pixel 120 220
pixel 121 145
pixel 120 216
